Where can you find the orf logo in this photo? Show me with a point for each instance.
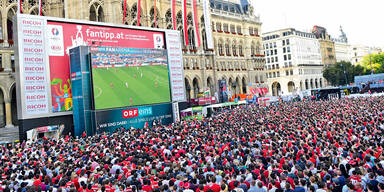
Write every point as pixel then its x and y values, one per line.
pixel 55 31
pixel 129 113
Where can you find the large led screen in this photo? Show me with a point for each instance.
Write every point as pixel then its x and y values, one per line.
pixel 125 77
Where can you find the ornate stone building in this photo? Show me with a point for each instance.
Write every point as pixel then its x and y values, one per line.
pixel 237 56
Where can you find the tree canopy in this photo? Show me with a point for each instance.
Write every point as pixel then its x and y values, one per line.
pixel 377 61
pixel 342 73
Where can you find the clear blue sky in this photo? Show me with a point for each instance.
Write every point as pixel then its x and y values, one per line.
pixel 362 21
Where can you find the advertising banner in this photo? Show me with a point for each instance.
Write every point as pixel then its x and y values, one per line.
pixel 81 34
pixel 32 75
pixel 176 68
pixel 137 117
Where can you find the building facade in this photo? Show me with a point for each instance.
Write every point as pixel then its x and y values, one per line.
pixel 236 58
pixel 359 51
pixel 327 46
pixel 342 48
pixel 293 61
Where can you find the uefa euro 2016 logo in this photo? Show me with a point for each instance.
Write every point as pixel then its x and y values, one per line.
pixel 55 31
pixel 158 39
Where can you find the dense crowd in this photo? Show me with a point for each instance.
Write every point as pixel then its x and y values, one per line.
pixel 307 146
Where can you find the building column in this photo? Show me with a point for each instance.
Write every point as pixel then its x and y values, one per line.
pixel 8 114
pixel 6 59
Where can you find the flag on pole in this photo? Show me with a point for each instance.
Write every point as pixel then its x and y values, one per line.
pixel 185 24
pixel 207 92
pixel 19 6
pixel 125 10
pixel 253 92
pixel 40 7
pixel 195 22
pixel 173 12
pixel 138 12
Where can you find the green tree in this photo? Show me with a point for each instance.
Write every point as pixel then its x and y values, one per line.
pixel 342 73
pixel 377 61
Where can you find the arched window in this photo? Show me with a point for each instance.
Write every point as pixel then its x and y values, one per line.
pixel 191 38
pixel 180 28
pixel 134 14
pixel 179 18
pixel 252 50
pixel 168 19
pixel 241 49
pixel 96 12
pixel 258 48
pixel 227 51
pixel 11 13
pixel 220 47
pixel 35 11
pixel 204 37
pixel 152 17
pixel 218 27
pixel 234 49
pixel 250 31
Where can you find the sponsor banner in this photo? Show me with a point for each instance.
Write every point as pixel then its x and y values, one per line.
pixel 175 64
pixel 176 113
pixel 55 40
pixel 74 35
pixel 207 24
pixel 137 117
pixel 32 67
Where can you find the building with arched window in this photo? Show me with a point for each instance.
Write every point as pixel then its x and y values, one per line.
pixel 293 61
pixel 235 30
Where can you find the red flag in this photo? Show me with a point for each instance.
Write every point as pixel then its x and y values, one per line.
pixel 173 10
pixel 185 24
pixel 253 92
pixel 138 12
pixel 19 6
pixel 40 7
pixel 125 10
pixel 195 22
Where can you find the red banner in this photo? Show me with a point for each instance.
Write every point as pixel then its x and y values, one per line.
pixel 40 7
pixel 184 3
pixel 138 12
pixel 70 35
pixel 125 10
pixel 253 92
pixel 173 9
pixel 19 6
pixel 195 22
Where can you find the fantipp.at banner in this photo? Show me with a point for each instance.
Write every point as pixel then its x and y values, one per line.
pixel 64 36
pixel 137 117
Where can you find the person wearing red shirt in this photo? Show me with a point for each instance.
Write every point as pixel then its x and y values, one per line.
pixel 147 186
pixel 214 186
